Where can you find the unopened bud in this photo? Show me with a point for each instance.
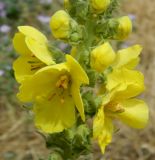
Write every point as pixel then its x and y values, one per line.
pixel 82 137
pixel 100 6
pixel 64 27
pixel 55 156
pixel 124 28
pixel 66 4
pixel 60 24
pixel 102 56
pixel 74 37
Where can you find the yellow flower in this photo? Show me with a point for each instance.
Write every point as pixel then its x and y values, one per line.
pixel 100 5
pixel 124 28
pixel 55 91
pixel 32 48
pixel 60 24
pixel 102 56
pixel 122 86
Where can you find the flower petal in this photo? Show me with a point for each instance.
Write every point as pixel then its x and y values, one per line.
pixel 40 50
pixel 75 91
pixel 33 33
pixel 128 57
pixel 102 129
pixel 135 114
pixel 106 135
pixel 41 83
pixel 54 116
pixel 125 83
pixel 23 68
pixel 77 72
pixel 79 77
pixel 20 45
pixel 98 122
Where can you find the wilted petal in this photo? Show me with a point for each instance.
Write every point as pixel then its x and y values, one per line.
pixel 102 129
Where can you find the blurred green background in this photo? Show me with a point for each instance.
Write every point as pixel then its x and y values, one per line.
pixel 19 139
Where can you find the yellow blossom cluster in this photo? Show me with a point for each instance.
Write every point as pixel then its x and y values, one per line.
pixel 122 85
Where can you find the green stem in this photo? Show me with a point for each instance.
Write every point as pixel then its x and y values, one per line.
pixel 90 32
pixel 83 49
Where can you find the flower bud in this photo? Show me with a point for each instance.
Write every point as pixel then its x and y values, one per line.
pixel 102 56
pixel 65 28
pixel 124 28
pixel 55 156
pixel 100 6
pixel 60 24
pixel 82 137
pixel 66 4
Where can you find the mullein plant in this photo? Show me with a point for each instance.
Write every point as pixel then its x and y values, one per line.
pixel 93 83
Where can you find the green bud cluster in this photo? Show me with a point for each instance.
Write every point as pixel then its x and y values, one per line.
pixel 70 144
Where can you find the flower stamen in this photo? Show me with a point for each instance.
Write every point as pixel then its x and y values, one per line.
pixel 35 65
pixel 115 107
pixel 51 97
pixel 63 82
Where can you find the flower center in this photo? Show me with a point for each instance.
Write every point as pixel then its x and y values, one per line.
pixel 63 82
pixel 115 107
pixel 62 86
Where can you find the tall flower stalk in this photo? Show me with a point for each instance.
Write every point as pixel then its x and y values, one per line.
pixel 92 82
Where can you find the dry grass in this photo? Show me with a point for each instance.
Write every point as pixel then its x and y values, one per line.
pixel 18 138
pixel 20 141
